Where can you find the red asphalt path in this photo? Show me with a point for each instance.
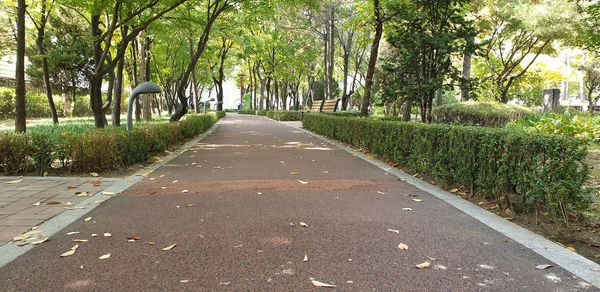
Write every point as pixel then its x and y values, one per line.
pixel 233 228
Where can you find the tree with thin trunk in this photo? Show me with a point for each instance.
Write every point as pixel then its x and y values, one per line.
pixel 40 26
pixel 20 119
pixel 378 20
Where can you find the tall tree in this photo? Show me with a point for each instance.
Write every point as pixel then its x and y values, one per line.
pixel 20 119
pixel 379 18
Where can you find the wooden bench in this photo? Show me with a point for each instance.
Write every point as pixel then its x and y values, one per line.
pixel 330 106
pixel 316 106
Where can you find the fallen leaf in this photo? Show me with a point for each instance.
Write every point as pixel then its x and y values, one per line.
pixel 175 181
pixel 87 219
pixel 406 209
pixel 150 243
pixel 108 193
pixel 380 192
pixel 107 234
pixel 259 193
pixel 37 204
pixel 94 235
pixel 39 241
pixel 570 248
pixel 83 194
pixel 403 246
pixel 97 183
pixel 394 230
pixel 183 281
pixel 71 251
pixel 454 190
pixel 424 265
pixel 303 224
pixel 12 182
pixel 103 257
pixel 185 191
pixel 73 233
pixel 325 171
pixel 81 267
pixel 305 258
pixel 543 267
pixel 80 240
pixel 417 200
pixel 170 247
pixel 321 284
pixel 99 202
pixel 53 203
pixel 189 205
pixel 294 173
pixel 94 174
pixel 133 238
pixel 303 182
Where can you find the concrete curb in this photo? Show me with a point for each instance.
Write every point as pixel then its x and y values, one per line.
pixel 570 261
pixel 11 251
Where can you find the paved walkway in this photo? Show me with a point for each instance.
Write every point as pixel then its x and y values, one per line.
pixel 259 205
pixel 27 202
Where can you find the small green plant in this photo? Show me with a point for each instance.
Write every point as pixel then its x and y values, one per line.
pixel 285 115
pixel 486 114
pixel 582 126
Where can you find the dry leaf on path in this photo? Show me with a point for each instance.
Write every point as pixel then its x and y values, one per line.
pixel 72 233
pixel 407 209
pixel 294 173
pixel 321 284
pixel 185 191
pixel 424 265
pixel 83 194
pixel 53 203
pixel 394 230
pixel 108 193
pixel 37 204
pixel 12 182
pixel 417 200
pixel 39 241
pixel 107 234
pixel 87 219
pixel 454 190
pixel 380 192
pixel 403 246
pixel 543 267
pixel 71 251
pixel 303 182
pixel 303 224
pixel 305 258
pixel 175 181
pixel 189 205
pixel 94 174
pixel 103 257
pixel 170 247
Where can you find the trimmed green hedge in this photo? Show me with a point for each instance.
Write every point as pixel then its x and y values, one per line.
pixel 261 112
pixel 247 112
pixel 97 149
pixel 285 115
pixel 528 171
pixel 487 114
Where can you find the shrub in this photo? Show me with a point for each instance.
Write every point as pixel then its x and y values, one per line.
pixel 14 149
pixel 82 108
pixel 285 115
pixel 527 171
pixel 36 105
pixel 581 126
pixel 261 112
pixel 344 114
pixel 486 114
pixel 88 149
pixel 247 112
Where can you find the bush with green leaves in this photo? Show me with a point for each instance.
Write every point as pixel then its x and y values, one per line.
pixel 582 126
pixel 486 114
pixel 83 148
pixel 285 115
pixel 247 112
pixel 261 112
pixel 528 172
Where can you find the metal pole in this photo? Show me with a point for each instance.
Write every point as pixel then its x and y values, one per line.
pixel 146 87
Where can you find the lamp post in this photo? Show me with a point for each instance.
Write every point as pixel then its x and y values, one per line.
pixel 211 100
pixel 144 88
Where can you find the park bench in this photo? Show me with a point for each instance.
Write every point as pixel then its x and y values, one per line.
pixel 323 106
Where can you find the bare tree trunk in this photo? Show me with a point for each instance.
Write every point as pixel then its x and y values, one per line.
pixel 118 94
pixel 465 89
pixel 332 86
pixel 143 46
pixel 364 111
pixel 20 115
pixel 41 31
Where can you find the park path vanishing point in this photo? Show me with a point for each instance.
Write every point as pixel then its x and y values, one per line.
pixel 259 205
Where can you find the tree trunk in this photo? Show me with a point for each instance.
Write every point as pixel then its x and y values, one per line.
pixel 465 89
pixel 364 111
pixel 118 94
pixel 20 115
pixel 144 57
pixel 41 31
pixel 332 86
pixel 96 78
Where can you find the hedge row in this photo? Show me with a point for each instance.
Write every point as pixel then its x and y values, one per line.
pixel 95 150
pixel 487 114
pixel 285 115
pixel 528 171
pixel 36 105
